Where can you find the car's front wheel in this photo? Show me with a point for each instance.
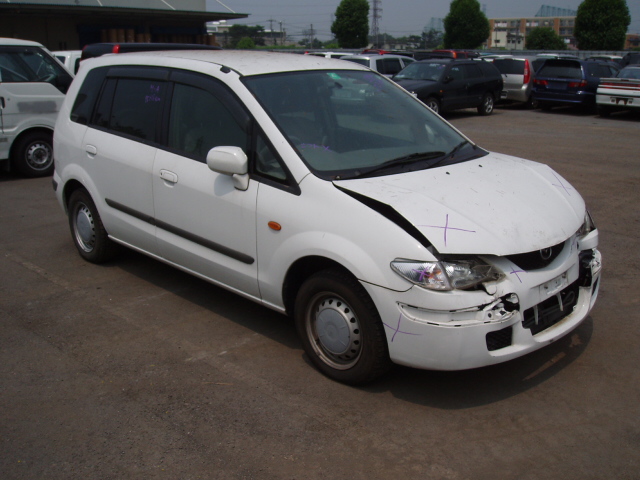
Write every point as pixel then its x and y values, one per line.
pixel 340 328
pixel 88 232
pixel 433 104
pixel 486 107
pixel 32 155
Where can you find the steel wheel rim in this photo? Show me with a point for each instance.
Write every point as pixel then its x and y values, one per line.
pixel 84 228
pixel 433 105
pixel 334 331
pixel 39 155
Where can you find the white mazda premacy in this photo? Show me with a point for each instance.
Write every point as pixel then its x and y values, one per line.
pixel 323 190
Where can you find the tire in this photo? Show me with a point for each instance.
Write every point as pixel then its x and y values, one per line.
pixel 433 104
pixel 87 230
pixel 340 328
pixel 545 106
pixel 486 107
pixel 32 155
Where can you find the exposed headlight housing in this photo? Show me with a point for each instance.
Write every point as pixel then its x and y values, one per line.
pixel 449 275
pixel 587 226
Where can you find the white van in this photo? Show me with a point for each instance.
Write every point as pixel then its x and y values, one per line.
pixel 321 189
pixel 32 88
pixel 70 59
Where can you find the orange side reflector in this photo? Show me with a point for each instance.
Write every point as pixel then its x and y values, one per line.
pixel 275 226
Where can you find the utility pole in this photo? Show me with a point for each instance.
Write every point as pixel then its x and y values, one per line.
pixel 375 16
pixel 273 38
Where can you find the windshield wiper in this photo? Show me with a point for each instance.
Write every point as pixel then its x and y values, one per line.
pixel 451 154
pixel 396 162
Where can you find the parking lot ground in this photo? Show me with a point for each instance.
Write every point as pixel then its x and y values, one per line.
pixel 135 370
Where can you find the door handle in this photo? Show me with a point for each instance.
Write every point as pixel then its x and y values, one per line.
pixel 91 150
pixel 168 176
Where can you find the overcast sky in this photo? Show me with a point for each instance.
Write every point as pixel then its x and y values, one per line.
pixel 399 17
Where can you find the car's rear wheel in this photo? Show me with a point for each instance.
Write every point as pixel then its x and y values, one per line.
pixel 433 104
pixel 340 328
pixel 32 155
pixel 486 107
pixel 88 232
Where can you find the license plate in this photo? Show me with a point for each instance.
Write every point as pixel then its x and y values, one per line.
pixel 557 86
pixel 554 286
pixel 621 100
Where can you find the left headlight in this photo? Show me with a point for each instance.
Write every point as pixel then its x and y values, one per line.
pixel 587 226
pixel 449 275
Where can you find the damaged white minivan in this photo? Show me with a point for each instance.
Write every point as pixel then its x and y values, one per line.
pixel 323 190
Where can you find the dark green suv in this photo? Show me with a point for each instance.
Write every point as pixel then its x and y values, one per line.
pixel 446 84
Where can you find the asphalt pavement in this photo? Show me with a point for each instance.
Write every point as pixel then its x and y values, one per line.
pixel 134 370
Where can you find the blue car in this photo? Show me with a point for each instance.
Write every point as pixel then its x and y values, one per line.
pixel 566 82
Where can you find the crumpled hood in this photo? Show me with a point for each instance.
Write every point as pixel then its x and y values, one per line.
pixel 497 204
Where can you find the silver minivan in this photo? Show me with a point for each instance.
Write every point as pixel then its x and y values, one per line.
pixel 517 75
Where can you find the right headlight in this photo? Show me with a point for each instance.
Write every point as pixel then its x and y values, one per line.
pixel 449 275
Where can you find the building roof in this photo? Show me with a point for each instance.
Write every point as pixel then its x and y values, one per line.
pixel 120 9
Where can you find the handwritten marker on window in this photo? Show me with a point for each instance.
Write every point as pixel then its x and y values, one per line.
pixel 275 226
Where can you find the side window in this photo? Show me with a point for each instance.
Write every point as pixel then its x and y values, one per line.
pixel 267 163
pixel 456 72
pixel 87 96
pixel 390 66
pixel 472 71
pixel 12 70
pixel 199 121
pixel 20 64
pixel 132 107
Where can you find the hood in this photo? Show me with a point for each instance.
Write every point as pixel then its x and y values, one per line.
pixel 494 205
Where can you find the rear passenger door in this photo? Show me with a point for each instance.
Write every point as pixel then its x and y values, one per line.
pixel 120 147
pixel 476 85
pixel 204 223
pixel 454 88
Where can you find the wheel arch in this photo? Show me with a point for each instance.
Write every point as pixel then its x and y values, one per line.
pixel 70 187
pixel 23 133
pixel 302 269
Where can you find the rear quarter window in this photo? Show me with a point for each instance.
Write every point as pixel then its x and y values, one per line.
pixel 87 95
pixel 561 70
pixel 509 66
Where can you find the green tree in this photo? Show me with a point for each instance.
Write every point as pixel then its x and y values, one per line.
pixel 245 43
pixel 431 38
pixel 238 32
pixel 602 24
pixel 465 26
pixel 544 38
pixel 351 25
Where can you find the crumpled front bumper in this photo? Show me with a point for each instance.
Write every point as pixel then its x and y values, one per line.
pixel 523 312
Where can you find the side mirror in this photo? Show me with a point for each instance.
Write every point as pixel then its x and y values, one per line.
pixel 230 161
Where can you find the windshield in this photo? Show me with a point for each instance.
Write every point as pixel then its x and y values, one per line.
pixel 422 71
pixel 345 122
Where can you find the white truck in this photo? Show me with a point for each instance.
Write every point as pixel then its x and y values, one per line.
pixel 619 93
pixel 32 88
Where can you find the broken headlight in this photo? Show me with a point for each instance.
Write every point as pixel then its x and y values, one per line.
pixel 449 275
pixel 588 225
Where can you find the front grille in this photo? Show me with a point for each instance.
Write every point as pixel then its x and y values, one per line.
pixel 552 310
pixel 537 259
pixel 499 339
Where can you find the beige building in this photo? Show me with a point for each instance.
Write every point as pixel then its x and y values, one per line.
pixel 510 33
